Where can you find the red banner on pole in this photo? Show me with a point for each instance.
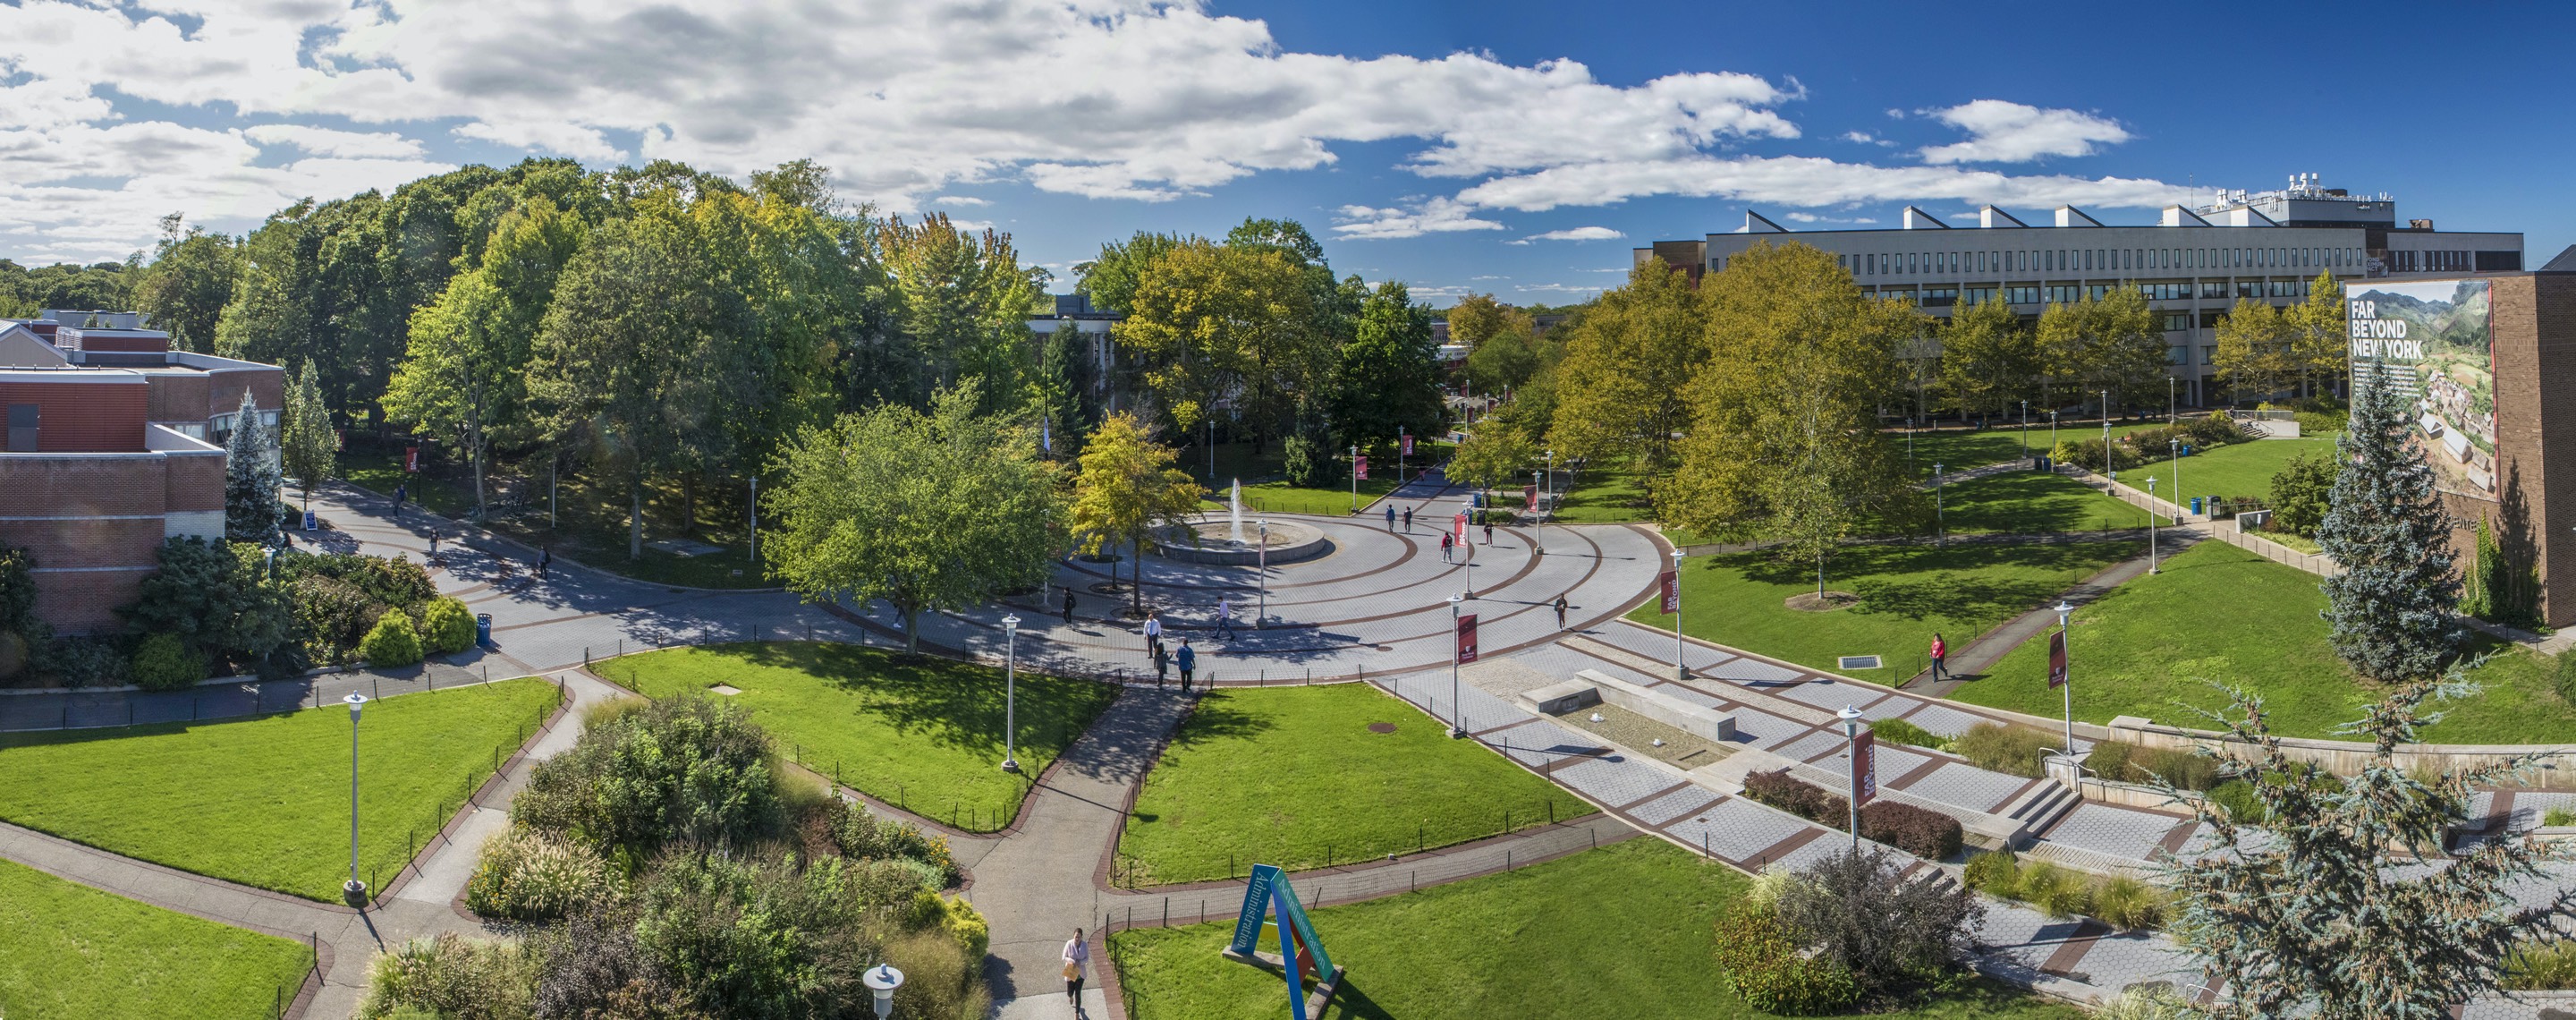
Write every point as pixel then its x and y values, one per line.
pixel 1408 446
pixel 1359 468
pixel 1467 639
pixel 1530 494
pixel 1462 527
pixel 2056 660
pixel 1864 777
pixel 1670 582
pixel 411 459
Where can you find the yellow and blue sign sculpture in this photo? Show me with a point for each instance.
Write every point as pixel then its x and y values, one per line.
pixel 1301 953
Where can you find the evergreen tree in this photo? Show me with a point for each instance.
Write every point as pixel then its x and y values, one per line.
pixel 2319 915
pixel 2391 605
pixel 250 479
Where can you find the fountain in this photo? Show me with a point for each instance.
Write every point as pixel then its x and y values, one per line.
pixel 1234 506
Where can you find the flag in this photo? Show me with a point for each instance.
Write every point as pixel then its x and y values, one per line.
pixel 1466 639
pixel 411 459
pixel 2057 660
pixel 1864 773
pixel 1670 582
pixel 1359 468
pixel 1408 446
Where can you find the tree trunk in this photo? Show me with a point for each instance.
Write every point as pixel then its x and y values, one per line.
pixel 635 514
pixel 1820 577
pixel 911 629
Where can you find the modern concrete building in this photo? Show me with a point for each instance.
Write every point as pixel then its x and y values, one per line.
pixel 2193 264
pixel 113 447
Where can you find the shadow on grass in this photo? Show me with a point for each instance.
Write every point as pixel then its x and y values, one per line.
pixel 1216 718
pixel 950 704
pixel 1919 583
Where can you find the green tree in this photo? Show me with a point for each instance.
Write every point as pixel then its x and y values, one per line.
pixel 962 302
pixel 306 442
pixel 1784 442
pixel 1503 362
pixel 1066 391
pixel 250 478
pixel 1623 387
pixel 1127 487
pixel 2133 352
pixel 2321 342
pixel 2391 606
pixel 2317 914
pixel 2302 491
pixel 1477 318
pixel 1389 379
pixel 1492 456
pixel 186 285
pixel 2257 350
pixel 1987 357
pixel 937 511
pixel 1219 325
pixel 1110 281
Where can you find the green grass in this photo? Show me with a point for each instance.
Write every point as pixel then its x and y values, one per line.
pixel 1606 496
pixel 2220 613
pixel 75 953
pixel 265 802
pixel 1625 931
pixel 2237 469
pixel 1283 498
pixel 2030 502
pixel 1288 776
pixel 1960 449
pixel 925 734
pixel 1906 592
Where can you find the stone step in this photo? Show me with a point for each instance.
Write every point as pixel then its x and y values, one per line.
pixel 2092 862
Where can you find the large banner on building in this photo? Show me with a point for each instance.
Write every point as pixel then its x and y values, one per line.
pixel 2433 341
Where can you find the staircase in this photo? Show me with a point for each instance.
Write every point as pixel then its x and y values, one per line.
pixel 2041 807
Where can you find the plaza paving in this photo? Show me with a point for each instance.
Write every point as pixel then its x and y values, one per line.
pixel 1375 609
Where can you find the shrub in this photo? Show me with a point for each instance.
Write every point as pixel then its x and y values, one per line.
pixel 1995 874
pixel 2322 423
pixel 2129 904
pixel 930 911
pixel 1798 797
pixel 1898 731
pixel 528 876
pixel 2301 491
pixel 682 770
pixel 2564 677
pixel 1889 932
pixel 164 663
pixel 940 979
pixel 2558 816
pixel 215 597
pixel 1924 833
pixel 755 938
pixel 390 642
pixel 1763 965
pixel 447 626
pixel 453 978
pixel 400 583
pixel 2087 454
pixel 334 614
pixel 2541 966
pixel 2017 750
pixel 861 834
pixel 2238 797
pixel 2056 891
pixel 2151 1002
pixel 2125 762
pixel 592 967
pixel 1764 892
pixel 85 662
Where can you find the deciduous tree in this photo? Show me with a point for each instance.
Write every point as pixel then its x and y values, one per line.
pixel 306 442
pixel 186 285
pixel 2257 349
pixel 1127 487
pixel 1389 377
pixel 1622 388
pixel 1987 357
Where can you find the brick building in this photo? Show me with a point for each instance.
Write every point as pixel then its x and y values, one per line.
pixel 113 446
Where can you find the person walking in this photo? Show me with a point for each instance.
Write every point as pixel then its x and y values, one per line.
pixel 1076 953
pixel 1188 660
pixel 1560 610
pixel 545 560
pixel 1940 658
pixel 1225 617
pixel 1390 519
pixel 1408 520
pixel 1448 547
pixel 1154 630
pixel 433 545
pixel 1162 666
pixel 1068 607
pixel 401 492
pixel 1489 531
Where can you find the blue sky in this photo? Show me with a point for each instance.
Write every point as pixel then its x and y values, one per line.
pixel 1457 146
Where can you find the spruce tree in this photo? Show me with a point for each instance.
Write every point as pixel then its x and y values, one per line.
pixel 2391 606
pixel 250 479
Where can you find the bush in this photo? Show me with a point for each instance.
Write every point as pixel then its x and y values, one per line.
pixel 2087 454
pixel 681 770
pixel 2564 677
pixel 2151 1002
pixel 859 833
pixel 755 938
pixel 85 662
pixel 164 663
pixel 400 583
pixel 453 978
pixel 2301 491
pixel 1798 797
pixel 2129 904
pixel 2322 423
pixel 939 978
pixel 2017 750
pixel 1995 874
pixel 2125 762
pixel 447 626
pixel 2557 817
pixel 334 614
pixel 528 876
pixel 1889 932
pixel 1898 731
pixel 1764 966
pixel 1927 834
pixel 215 597
pixel 390 643
pixel 2056 891
pixel 2541 966
pixel 2238 797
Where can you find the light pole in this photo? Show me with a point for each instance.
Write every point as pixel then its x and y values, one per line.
pixel 1355 479
pixel 1681 666
pixel 1011 694
pixel 2173 414
pixel 1909 444
pixel 1262 616
pixel 2151 525
pixel 2052 431
pixel 355 892
pixel 1467 552
pixel 1940 523
pixel 2174 446
pixel 2025 429
pixel 2067 689
pixel 882 980
pixel 1457 716
pixel 1851 754
pixel 2106 430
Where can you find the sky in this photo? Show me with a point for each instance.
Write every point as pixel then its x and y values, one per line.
pixel 1514 148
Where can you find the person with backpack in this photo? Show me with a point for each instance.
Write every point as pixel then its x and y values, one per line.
pixel 1448 547
pixel 1390 518
pixel 1560 611
pixel 1188 660
pixel 1068 607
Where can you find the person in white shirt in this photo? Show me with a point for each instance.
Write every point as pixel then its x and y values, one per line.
pixel 1076 953
pixel 1225 617
pixel 1153 631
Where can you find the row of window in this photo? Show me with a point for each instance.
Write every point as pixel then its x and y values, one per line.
pixel 2093 260
pixel 2069 293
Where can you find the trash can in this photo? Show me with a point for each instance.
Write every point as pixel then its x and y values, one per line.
pixel 2186 449
pixel 482 628
pixel 2195 506
pixel 311 523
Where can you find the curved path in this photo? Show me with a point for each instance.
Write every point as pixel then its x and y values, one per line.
pixel 1376 608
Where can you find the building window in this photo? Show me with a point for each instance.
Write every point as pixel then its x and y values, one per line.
pixel 25 423
pixel 2210 320
pixel 2249 288
pixel 2063 294
pixel 1978 295
pixel 2022 295
pixel 2209 354
pixel 1940 297
pixel 2178 355
pixel 2176 322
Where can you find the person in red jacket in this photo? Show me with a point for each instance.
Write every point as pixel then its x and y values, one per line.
pixel 1940 658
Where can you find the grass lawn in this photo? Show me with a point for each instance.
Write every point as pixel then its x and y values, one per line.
pixel 1907 593
pixel 2221 613
pixel 2237 469
pixel 265 802
pixel 1607 496
pixel 1958 449
pixel 1289 775
pixel 75 953
pixel 1283 498
pixel 2030 502
pixel 1626 931
pixel 924 734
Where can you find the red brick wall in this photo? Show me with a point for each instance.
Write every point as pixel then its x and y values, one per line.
pixel 77 513
pixel 195 482
pixel 2535 368
pixel 267 385
pixel 177 397
pixel 84 417
pixel 81 486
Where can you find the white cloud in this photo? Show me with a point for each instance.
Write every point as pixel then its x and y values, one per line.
pixel 1436 216
pixel 328 142
pixel 2006 132
pixel 1804 181
pixel 1574 234
pixel 969 200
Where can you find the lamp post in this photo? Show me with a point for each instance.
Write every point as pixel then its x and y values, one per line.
pixel 1355 479
pixel 1261 616
pixel 355 892
pixel 1467 552
pixel 1457 715
pixel 2025 428
pixel 2052 430
pixel 1011 694
pixel 2173 413
pixel 2068 689
pixel 1909 443
pixel 882 980
pixel 2151 525
pixel 2106 430
pixel 2174 446
pixel 1940 523
pixel 1851 751
pixel 1681 665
